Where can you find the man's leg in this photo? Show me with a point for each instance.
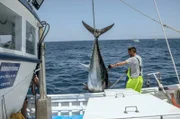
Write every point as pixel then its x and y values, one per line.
pixel 135 83
pixel 23 110
pixel 126 81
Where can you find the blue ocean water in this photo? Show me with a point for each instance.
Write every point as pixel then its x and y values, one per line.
pixel 66 75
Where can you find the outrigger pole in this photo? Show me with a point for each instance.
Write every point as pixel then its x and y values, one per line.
pixel 167 42
pixel 164 25
pixel 43 104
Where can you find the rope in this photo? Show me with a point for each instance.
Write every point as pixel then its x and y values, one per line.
pixel 3 98
pixel 93 13
pixel 4 109
pixel 166 39
pixel 117 81
pixel 19 82
pixel 167 26
pixel 2 104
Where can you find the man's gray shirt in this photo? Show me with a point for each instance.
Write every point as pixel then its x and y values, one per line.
pixel 135 63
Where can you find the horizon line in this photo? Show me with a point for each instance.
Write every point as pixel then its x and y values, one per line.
pixel 107 39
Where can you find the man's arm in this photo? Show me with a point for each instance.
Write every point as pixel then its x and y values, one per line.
pixel 117 64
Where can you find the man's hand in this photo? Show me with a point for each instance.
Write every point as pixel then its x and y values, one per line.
pixel 36 80
pixel 126 71
pixel 117 64
pixel 110 66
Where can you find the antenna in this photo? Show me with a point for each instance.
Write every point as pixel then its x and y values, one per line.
pixel 35 3
pixel 165 25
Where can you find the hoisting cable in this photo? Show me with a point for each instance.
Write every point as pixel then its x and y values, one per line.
pixel 165 25
pixel 93 14
pixel 46 28
pixel 167 42
pixel 45 31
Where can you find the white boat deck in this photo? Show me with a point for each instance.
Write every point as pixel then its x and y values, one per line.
pixel 134 106
pixel 116 99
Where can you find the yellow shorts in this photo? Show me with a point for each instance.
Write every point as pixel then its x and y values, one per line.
pixel 135 83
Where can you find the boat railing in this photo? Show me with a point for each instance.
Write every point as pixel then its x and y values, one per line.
pixel 166 116
pixel 156 76
pixel 64 104
pixel 75 104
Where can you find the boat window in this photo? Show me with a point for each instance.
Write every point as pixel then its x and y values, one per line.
pixel 30 38
pixel 10 29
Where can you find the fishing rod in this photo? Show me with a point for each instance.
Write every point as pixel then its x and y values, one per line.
pixel 160 85
pixel 117 81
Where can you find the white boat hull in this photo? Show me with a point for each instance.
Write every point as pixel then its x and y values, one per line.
pixel 12 98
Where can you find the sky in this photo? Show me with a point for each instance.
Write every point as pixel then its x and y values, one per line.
pixel 65 18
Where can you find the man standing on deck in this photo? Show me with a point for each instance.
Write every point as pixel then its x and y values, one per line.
pixel 134 73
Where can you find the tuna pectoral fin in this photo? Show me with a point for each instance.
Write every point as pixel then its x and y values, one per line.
pixel 97 32
pixel 85 86
pixel 85 65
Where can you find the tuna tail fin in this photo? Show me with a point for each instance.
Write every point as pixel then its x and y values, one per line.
pixel 97 32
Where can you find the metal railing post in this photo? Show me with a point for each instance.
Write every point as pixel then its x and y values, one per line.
pixel 44 110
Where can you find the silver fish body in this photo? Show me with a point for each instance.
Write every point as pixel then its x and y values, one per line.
pixel 98 75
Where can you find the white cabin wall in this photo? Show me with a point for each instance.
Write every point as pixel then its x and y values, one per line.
pixel 36 42
pixel 21 10
pixel 18 33
pixel 6 28
pixel 18 8
pixel 23 36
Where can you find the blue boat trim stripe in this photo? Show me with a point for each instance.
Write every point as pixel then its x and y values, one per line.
pixel 14 57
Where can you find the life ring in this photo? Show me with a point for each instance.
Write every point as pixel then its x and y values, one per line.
pixel 174 99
